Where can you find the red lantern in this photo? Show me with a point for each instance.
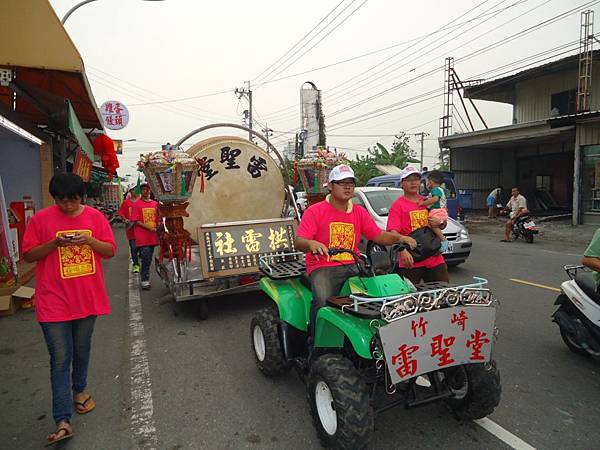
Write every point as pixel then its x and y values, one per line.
pixel 105 148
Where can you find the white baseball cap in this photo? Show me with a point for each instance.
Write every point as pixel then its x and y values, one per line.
pixel 407 171
pixel 341 172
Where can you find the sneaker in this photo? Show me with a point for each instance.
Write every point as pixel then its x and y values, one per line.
pixel 145 285
pixel 135 268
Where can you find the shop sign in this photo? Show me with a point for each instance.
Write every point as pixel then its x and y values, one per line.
pixel 115 114
pixel 82 166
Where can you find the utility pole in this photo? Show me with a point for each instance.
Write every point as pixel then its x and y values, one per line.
pixel 267 131
pixel 246 93
pixel 422 135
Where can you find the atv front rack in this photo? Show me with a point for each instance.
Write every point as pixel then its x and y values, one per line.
pixel 428 296
pixel 282 266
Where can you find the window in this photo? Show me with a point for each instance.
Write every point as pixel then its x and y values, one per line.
pixel 564 102
pixel 542 183
pixel 387 184
pixel 358 201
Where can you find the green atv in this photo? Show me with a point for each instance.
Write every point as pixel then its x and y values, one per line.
pixel 381 343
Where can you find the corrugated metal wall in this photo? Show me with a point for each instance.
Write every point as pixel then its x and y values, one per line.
pixel 588 134
pixel 477 170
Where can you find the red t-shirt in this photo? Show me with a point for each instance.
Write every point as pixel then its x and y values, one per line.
pixel 405 217
pixel 125 213
pixel 146 212
pixel 322 222
pixel 69 280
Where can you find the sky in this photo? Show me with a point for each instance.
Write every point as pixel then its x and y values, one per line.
pixel 379 64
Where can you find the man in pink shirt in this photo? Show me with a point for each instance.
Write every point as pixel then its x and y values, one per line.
pixel 125 213
pixel 406 215
pixel 335 223
pixel 144 215
pixel 68 241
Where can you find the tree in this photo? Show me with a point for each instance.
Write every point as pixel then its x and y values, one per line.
pixel 399 155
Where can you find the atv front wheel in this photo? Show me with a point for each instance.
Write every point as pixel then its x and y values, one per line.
pixel 266 344
pixel 476 389
pixel 339 403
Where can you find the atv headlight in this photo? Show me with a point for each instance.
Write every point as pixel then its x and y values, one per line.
pixel 463 235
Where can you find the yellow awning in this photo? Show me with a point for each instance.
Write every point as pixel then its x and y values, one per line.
pixel 44 58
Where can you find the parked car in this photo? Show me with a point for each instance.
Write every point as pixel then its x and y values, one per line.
pixel 448 185
pixel 378 201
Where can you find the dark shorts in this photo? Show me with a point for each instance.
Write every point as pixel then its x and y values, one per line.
pixel 415 275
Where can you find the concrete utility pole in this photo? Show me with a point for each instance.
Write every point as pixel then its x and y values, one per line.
pixel 267 131
pixel 246 93
pixel 422 134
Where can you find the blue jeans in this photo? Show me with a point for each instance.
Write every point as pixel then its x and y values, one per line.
pixel 146 254
pixel 69 346
pixel 134 252
pixel 327 282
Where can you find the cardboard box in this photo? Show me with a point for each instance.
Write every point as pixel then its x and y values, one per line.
pixel 10 304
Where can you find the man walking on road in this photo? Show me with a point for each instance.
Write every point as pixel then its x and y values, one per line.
pixel 144 214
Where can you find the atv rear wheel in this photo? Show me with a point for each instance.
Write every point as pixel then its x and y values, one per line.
pixel 476 389
pixel 339 403
pixel 266 343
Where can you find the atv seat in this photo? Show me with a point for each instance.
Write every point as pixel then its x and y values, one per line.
pixel 588 284
pixel 365 310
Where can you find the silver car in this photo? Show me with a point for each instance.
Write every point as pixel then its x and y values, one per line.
pixel 378 201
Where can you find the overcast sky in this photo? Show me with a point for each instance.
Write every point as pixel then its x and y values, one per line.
pixel 143 52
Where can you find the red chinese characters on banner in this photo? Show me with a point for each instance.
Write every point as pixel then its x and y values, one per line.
pixel 477 341
pixel 82 166
pixel 421 325
pixel 406 364
pixel 460 319
pixel 440 346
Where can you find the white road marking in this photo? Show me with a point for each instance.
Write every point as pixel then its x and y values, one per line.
pixel 142 409
pixel 505 436
pixel 562 253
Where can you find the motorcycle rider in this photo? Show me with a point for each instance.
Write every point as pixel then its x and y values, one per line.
pixel 591 256
pixel 518 207
pixel 336 223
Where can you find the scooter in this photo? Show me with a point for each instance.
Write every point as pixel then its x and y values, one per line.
pixel 578 315
pixel 524 226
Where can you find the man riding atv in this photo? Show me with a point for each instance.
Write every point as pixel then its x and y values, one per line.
pixel 336 223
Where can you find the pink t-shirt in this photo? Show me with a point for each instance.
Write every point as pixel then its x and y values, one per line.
pixel 146 212
pixel 69 280
pixel 405 217
pixel 125 212
pixel 322 222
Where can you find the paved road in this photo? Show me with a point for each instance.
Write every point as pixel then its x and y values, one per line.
pixel 205 392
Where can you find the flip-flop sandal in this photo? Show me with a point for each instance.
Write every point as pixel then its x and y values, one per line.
pixel 81 407
pixel 67 435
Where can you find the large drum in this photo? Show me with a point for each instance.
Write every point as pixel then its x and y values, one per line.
pixel 238 181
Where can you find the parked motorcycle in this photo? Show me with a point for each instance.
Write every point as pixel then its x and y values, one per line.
pixel 524 227
pixel 578 313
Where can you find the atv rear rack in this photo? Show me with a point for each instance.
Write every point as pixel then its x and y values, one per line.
pixel 427 297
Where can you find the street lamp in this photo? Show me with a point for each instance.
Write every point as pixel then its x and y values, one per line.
pixel 85 2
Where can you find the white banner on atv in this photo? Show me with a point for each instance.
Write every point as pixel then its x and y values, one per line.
pixel 438 339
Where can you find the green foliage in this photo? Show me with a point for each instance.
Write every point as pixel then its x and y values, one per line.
pixel 400 154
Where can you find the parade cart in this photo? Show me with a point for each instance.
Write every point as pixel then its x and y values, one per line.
pixel 236 211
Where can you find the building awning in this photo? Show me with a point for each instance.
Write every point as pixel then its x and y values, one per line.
pixel 79 134
pixel 512 135
pixel 42 58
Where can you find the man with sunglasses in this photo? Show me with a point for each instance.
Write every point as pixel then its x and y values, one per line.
pixel 336 223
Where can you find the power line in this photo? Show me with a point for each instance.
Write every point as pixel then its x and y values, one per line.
pixel 320 40
pixel 257 78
